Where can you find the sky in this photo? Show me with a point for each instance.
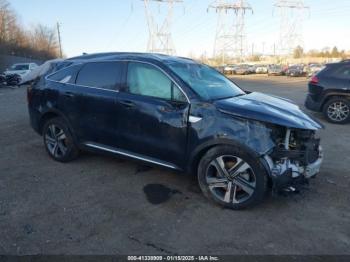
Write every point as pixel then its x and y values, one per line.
pixel 120 25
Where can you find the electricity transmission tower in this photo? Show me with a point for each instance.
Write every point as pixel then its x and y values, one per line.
pixel 291 32
pixel 230 31
pixel 160 38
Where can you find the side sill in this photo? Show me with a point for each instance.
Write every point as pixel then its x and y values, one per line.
pixel 131 155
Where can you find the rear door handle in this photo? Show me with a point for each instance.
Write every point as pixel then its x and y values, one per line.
pixel 127 104
pixel 69 94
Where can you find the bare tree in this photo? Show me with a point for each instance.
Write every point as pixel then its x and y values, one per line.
pixel 41 42
pixel 44 39
pixel 7 20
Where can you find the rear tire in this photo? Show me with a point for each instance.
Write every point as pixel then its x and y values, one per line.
pixel 337 110
pixel 58 140
pixel 232 177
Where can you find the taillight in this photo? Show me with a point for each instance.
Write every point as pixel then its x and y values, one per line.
pixel 314 80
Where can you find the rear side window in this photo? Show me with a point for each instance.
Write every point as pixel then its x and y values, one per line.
pixel 66 75
pixel 104 75
pixel 342 72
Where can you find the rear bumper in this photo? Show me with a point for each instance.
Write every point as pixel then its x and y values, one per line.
pixel 312 104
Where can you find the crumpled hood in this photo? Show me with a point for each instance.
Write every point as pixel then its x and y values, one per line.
pixel 269 109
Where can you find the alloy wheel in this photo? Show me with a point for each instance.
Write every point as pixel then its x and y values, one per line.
pixel 338 111
pixel 230 179
pixel 56 141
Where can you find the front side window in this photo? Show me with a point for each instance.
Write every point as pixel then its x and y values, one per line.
pixel 104 75
pixel 147 80
pixel 208 83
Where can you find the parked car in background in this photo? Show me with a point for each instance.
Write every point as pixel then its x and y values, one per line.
pixel 252 69
pixel 329 92
pixel 230 69
pixel 48 66
pixel 285 69
pixel 261 69
pixel 220 69
pixel 242 70
pixel 295 70
pixel 20 69
pixel 275 70
pixel 313 69
pixel 176 113
pixel 13 79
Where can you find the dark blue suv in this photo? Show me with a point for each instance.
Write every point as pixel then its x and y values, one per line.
pixel 176 113
pixel 329 92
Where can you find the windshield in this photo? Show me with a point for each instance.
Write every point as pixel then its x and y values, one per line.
pixel 20 67
pixel 205 81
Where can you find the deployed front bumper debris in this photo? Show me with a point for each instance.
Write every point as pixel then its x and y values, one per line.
pixel 295 161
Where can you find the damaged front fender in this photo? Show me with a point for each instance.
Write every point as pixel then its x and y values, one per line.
pixel 289 155
pixel 218 128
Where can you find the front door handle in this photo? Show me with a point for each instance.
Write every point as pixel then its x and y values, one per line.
pixel 127 104
pixel 69 94
pixel 165 109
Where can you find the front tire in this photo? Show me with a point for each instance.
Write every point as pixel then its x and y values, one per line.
pixel 337 110
pixel 232 177
pixel 58 140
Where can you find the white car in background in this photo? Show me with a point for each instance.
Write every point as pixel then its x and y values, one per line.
pixel 230 69
pixel 39 71
pixel 20 69
pixel 261 69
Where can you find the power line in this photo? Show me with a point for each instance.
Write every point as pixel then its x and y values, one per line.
pixel 122 27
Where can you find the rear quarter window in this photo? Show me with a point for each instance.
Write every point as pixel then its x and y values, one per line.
pixel 66 75
pixel 342 71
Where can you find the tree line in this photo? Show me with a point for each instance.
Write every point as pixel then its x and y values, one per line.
pixel 40 42
pixel 324 53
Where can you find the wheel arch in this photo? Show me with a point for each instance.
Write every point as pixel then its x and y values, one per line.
pixel 49 115
pixel 332 95
pixel 202 149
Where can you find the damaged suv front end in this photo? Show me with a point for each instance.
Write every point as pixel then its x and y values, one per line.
pixel 286 138
pixel 241 142
pixel 296 157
